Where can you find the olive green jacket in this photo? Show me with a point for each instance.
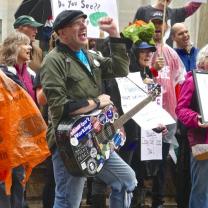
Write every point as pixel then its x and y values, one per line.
pixel 65 79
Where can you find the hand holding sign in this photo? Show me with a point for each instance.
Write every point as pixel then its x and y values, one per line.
pixel 108 25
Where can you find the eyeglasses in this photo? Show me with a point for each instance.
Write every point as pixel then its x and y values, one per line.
pixel 79 23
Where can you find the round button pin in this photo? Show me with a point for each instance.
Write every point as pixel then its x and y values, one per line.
pixel 74 141
pixel 96 62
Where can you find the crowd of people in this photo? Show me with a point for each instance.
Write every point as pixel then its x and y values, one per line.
pixel 78 76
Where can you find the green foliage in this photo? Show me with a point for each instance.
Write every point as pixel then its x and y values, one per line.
pixel 140 31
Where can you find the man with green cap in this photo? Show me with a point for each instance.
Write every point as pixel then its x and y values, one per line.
pixel 28 25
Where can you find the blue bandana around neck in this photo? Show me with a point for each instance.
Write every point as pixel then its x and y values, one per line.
pixel 82 57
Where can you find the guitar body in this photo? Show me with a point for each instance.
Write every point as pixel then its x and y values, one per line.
pixel 85 142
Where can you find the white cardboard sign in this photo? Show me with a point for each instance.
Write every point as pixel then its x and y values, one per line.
pixel 152 114
pixel 151 145
pixel 95 9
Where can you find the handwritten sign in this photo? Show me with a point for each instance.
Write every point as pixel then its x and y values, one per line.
pixel 95 9
pixel 152 114
pixel 151 145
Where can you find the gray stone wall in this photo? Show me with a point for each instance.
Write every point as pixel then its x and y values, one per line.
pixel 197 23
pixel 201 27
pixel 7 9
pixel 3 18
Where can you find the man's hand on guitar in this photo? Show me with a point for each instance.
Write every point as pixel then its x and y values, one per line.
pixel 104 100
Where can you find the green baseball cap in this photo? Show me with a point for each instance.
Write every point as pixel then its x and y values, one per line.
pixel 26 20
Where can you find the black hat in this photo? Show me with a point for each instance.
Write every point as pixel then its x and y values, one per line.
pixel 66 17
pixel 157 15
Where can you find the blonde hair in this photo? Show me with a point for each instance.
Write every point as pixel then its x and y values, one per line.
pixel 10 48
pixel 52 41
pixel 202 55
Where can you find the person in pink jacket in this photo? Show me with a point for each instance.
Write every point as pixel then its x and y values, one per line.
pixel 173 70
pixel 187 111
pixel 170 75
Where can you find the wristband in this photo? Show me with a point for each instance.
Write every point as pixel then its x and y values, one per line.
pixel 97 102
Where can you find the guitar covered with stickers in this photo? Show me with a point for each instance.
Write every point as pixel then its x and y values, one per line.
pixel 86 141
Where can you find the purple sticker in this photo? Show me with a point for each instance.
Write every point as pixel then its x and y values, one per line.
pixel 82 129
pixel 109 113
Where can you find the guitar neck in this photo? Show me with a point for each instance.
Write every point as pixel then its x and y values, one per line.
pixel 128 115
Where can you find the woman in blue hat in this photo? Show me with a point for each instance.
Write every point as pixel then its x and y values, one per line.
pixel 141 54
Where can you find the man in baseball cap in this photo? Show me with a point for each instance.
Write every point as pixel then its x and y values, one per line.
pixel 27 25
pixel 157 15
pixel 170 77
pixel 26 20
pixel 157 20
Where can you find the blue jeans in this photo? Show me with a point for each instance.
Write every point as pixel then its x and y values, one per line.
pixel 115 173
pixel 199 188
pixel 16 199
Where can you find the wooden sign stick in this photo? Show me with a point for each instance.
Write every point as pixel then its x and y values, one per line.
pixel 163 28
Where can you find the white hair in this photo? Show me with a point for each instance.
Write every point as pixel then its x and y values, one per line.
pixel 203 53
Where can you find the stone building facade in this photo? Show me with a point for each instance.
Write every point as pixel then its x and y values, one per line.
pixel 197 23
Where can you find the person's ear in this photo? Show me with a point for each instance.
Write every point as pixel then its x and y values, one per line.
pixel 60 32
pixel 173 37
pixel 20 28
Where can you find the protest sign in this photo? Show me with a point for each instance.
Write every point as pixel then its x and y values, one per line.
pixel 133 90
pixel 152 114
pixel 95 9
pixel 151 145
